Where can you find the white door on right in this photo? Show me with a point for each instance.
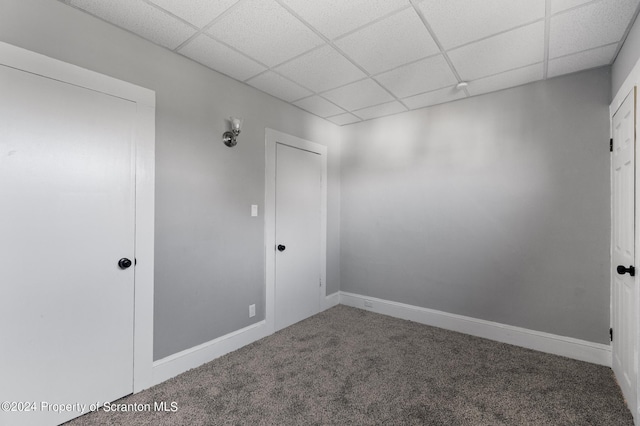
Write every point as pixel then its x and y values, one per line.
pixel 624 291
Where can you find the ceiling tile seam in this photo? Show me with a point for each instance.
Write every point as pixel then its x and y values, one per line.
pixel 573 8
pixel 328 100
pixel 335 104
pixel 256 76
pixel 430 91
pixel 333 116
pixel 187 41
pixel 238 52
pixel 301 109
pixel 225 74
pixel 406 64
pixel 626 33
pixel 517 27
pixel 547 32
pixel 375 118
pixel 584 51
pixel 233 78
pixel 173 15
pixel 313 92
pixel 355 111
pixel 323 92
pixel 370 23
pixel 298 56
pixel 397 98
pixel 291 81
pixel 204 29
pixel 336 48
pixel 423 18
pixel 506 71
pixel 118 26
pixel 565 73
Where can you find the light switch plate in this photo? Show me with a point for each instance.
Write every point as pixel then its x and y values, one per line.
pixel 254 210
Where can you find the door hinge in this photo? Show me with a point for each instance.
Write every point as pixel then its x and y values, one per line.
pixel 611 145
pixel 320 280
pixel 611 334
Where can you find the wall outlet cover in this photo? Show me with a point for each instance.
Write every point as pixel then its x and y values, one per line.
pixel 252 311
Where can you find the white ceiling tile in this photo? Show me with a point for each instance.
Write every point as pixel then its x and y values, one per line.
pixel 278 86
pixel 140 18
pixel 319 106
pixel 593 25
pixel 513 49
pixel 321 69
pixel 380 110
pixel 394 41
pixel 358 95
pixel 265 31
pixel 505 80
pixel 334 18
pixel 422 76
pixel 456 22
pixel 560 5
pixel 219 57
pixel 343 119
pixel 197 12
pixel 582 61
pixel 440 96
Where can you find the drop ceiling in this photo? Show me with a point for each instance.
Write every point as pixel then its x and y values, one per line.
pixel 354 60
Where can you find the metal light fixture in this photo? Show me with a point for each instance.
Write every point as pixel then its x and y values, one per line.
pixel 230 137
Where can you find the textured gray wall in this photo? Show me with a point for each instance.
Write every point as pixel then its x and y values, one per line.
pixel 627 58
pixel 209 251
pixel 495 207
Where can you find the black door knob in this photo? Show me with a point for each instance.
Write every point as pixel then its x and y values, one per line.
pixel 281 247
pixel 124 263
pixel 630 270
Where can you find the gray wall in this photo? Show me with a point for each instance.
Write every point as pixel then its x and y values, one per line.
pixel 209 251
pixel 494 207
pixel 627 58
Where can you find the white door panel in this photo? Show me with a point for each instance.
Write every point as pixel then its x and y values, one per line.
pixel 67 216
pixel 298 228
pixel 624 292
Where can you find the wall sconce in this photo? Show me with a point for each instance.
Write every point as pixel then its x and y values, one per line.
pixel 229 137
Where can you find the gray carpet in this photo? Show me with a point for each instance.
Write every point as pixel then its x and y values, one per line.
pixel 347 366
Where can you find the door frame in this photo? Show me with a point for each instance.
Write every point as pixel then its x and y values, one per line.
pixel 613 109
pixel 272 137
pixel 144 142
pixel 632 80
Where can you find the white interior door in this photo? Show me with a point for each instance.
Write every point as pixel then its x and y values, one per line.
pixel 298 234
pixel 66 218
pixel 624 291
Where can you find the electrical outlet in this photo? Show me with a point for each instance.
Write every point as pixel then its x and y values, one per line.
pixel 252 311
pixel 368 304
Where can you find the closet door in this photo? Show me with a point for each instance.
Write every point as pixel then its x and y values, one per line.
pixel 66 220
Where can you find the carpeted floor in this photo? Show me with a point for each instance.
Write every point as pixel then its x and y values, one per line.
pixel 347 366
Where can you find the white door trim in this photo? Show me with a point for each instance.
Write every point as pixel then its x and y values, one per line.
pixel 35 63
pixel 632 80
pixel 271 138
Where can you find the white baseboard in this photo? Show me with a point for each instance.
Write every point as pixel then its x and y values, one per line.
pixel 582 350
pixel 544 342
pixel 175 364
pixel 178 363
pixel 331 300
